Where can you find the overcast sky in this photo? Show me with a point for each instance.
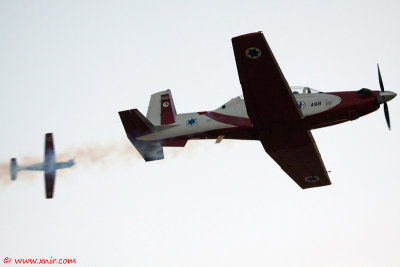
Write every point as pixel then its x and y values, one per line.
pixel 68 67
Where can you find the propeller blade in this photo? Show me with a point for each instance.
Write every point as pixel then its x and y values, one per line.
pixel 380 79
pixel 386 109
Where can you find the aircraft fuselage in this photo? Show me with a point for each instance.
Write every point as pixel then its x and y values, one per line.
pixel 232 121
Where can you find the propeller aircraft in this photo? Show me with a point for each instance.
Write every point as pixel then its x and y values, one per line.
pixel 48 166
pixel 271 111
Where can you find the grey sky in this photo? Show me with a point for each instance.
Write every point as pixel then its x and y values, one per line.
pixel 68 67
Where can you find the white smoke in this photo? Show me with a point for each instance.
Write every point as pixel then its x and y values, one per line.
pixel 93 155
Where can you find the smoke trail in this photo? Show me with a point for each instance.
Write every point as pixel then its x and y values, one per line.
pixel 4 172
pixel 117 152
pixel 93 155
pixel 85 155
pixel 101 155
pixel 98 155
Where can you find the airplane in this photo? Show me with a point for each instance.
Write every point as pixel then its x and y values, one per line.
pixel 271 111
pixel 49 166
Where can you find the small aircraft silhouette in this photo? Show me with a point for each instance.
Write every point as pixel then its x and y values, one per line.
pixel 49 166
pixel 279 115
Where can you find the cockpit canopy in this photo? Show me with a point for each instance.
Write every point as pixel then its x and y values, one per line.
pixel 303 90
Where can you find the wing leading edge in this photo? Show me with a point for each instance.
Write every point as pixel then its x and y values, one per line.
pixel 275 114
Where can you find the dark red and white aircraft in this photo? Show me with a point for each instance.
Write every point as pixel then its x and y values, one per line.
pixel 48 166
pixel 283 127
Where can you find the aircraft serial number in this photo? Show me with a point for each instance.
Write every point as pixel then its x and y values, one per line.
pixel 314 104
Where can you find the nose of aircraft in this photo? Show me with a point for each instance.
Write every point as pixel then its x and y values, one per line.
pixel 386 96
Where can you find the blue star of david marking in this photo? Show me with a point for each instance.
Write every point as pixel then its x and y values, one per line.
pixel 191 122
pixel 253 52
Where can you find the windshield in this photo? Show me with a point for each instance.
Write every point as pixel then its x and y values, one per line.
pixel 303 90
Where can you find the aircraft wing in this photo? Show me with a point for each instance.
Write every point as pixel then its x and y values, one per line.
pixel 49 165
pixel 49 180
pixel 274 112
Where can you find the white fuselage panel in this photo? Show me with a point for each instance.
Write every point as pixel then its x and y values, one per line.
pixel 192 123
pixel 311 104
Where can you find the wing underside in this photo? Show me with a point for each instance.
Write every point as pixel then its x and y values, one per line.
pixel 49 180
pixel 274 112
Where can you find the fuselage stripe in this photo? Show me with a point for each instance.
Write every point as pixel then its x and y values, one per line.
pixel 232 120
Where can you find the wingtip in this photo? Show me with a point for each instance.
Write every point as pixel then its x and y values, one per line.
pixel 248 34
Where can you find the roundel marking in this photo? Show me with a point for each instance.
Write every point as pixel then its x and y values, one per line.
pixel 302 104
pixel 191 122
pixel 165 104
pixel 253 52
pixel 311 179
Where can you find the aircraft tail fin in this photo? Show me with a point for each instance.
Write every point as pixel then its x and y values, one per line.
pixel 13 169
pixel 136 125
pixel 161 109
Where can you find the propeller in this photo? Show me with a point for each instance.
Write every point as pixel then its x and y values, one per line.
pixel 385 106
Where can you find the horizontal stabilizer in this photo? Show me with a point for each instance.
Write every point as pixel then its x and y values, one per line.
pixel 149 150
pixel 136 125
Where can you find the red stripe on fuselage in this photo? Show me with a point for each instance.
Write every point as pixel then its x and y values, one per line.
pixel 174 143
pixel 352 106
pixel 228 119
